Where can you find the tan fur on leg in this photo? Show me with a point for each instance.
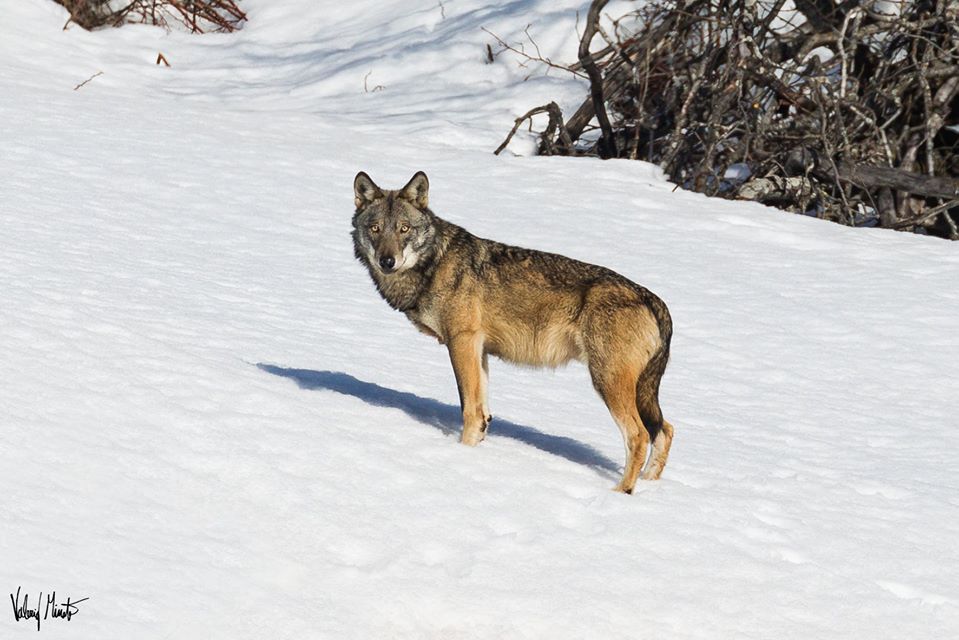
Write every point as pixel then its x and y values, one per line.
pixel 466 356
pixel 657 459
pixel 619 393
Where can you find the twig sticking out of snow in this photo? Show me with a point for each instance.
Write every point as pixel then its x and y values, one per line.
pixel 98 73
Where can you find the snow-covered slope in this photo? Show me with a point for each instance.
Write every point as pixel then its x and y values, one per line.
pixel 213 427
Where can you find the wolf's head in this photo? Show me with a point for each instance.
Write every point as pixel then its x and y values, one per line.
pixel 391 229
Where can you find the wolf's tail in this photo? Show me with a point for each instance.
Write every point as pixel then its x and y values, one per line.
pixel 647 387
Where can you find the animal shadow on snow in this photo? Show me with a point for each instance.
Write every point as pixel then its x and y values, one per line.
pixel 445 417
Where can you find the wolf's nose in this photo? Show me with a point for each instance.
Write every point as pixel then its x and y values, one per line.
pixel 387 262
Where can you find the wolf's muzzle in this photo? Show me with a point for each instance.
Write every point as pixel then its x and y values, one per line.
pixel 387 263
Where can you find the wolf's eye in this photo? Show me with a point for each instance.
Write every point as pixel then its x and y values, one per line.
pixel 374 228
pixel 405 228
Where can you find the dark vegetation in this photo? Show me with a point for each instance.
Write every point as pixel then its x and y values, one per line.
pixel 845 110
pixel 197 16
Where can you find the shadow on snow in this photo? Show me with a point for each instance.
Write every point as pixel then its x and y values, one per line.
pixel 445 417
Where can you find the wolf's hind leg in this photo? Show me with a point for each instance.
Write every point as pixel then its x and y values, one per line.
pixel 619 394
pixel 660 453
pixel 647 402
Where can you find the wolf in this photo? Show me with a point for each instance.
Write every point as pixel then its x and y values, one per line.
pixel 482 298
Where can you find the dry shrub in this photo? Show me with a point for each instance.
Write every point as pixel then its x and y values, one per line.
pixel 197 16
pixel 844 110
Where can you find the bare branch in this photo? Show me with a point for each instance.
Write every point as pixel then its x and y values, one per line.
pixel 607 146
pixel 846 114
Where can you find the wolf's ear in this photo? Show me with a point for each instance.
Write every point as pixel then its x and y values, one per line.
pixel 365 190
pixel 417 190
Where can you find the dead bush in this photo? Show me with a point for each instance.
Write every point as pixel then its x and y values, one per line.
pixel 845 110
pixel 197 16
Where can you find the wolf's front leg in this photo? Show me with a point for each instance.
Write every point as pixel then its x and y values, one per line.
pixel 466 354
pixel 484 386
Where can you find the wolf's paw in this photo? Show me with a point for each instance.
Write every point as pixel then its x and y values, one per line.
pixel 473 437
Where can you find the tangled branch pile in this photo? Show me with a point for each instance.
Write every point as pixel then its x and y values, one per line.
pixel 198 16
pixel 842 109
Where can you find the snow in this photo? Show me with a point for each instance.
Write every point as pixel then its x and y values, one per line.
pixel 213 426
